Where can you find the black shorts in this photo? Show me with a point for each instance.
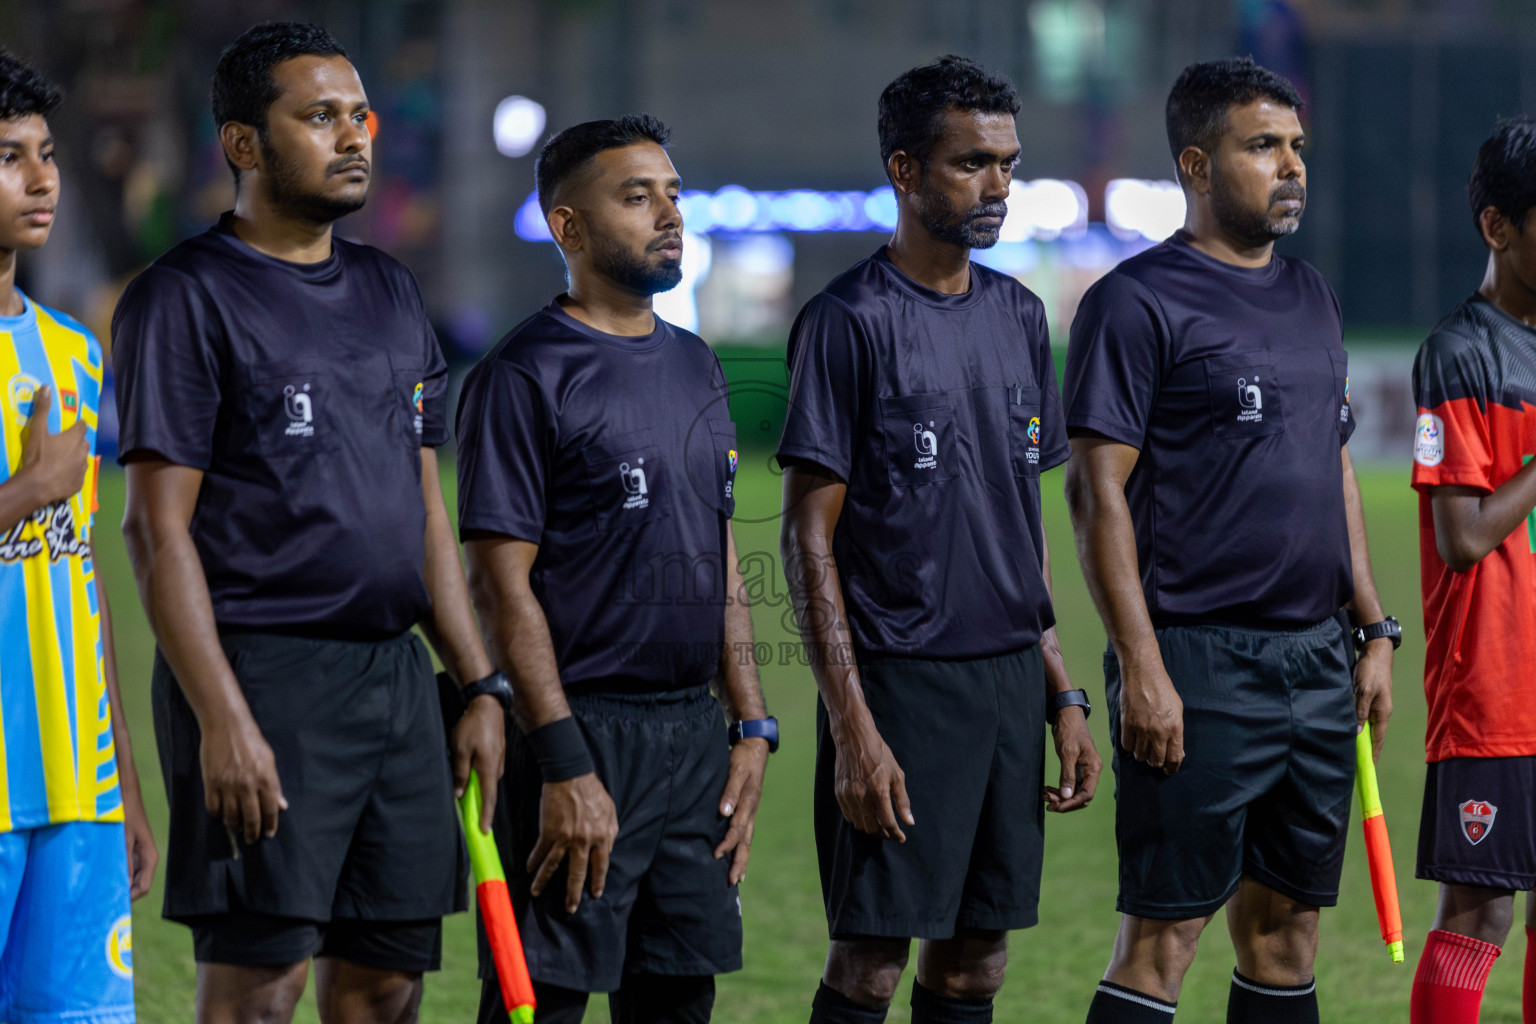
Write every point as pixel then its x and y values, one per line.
pixel 370 833
pixel 1268 773
pixel 667 906
pixel 1478 826
pixel 970 737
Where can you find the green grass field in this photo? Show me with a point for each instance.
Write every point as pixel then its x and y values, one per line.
pixel 1053 968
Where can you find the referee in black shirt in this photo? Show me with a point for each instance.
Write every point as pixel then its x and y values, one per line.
pixel 1219 525
pixel 280 393
pixel 597 465
pixel 922 410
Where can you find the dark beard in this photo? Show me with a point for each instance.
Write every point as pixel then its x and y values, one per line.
pixel 285 188
pixel 627 270
pixel 1255 227
pixel 946 224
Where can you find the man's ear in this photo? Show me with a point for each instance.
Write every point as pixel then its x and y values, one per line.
pixel 565 227
pixel 905 172
pixel 1495 228
pixel 1195 169
pixel 240 144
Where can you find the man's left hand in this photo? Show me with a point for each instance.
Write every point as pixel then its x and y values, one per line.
pixel 480 742
pixel 142 855
pixel 1080 764
pixel 743 791
pixel 1373 691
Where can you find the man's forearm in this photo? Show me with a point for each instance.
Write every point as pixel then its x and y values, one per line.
pixel 1056 678
pixel 518 632
pixel 19 498
pixel 741 692
pixel 450 627
pixel 176 600
pixel 816 591
pixel 1106 547
pixel 1365 606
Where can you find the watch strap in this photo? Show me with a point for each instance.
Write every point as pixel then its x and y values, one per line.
pixel 756 728
pixel 1387 628
pixel 1068 699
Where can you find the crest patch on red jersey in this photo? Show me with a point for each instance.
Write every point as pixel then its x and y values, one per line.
pixel 1477 820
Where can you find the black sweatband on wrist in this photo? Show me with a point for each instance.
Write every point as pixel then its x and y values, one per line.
pixel 561 750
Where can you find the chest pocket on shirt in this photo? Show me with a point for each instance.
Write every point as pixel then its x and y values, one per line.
pixel 1340 361
pixel 921 443
pixel 1245 396
pixel 292 408
pixel 712 461
pixel 628 481
pixel 1024 430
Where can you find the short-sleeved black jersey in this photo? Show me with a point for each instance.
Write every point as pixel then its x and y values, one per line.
pixel 617 456
pixel 304 392
pixel 939 411
pixel 1233 384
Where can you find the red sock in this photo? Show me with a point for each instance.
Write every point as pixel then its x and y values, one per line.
pixel 1528 991
pixel 1448 987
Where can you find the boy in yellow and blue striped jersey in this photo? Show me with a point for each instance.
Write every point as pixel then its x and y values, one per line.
pixel 69 798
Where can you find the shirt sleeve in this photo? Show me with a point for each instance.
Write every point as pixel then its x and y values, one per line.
pixel 828 381
pixel 166 344
pixel 1053 425
pixel 506 440
pixel 434 378
pixel 1452 445
pixel 1115 361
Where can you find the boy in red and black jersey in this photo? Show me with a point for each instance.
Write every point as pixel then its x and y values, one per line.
pixel 1475 381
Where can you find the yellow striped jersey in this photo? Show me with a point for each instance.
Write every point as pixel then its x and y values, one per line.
pixel 56 756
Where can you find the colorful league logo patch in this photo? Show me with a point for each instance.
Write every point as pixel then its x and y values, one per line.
pixel 1429 440
pixel 120 947
pixel 731 458
pixel 1477 820
pixel 416 395
pixel 1034 430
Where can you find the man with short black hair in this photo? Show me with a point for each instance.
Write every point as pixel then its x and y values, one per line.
pixel 1218 522
pixel 922 410
pixel 280 393
pixel 69 793
pixel 1475 380
pixel 597 468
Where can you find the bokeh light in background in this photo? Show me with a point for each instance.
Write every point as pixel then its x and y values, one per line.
pixel 517 125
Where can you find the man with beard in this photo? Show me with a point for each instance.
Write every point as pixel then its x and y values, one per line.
pixel 922 410
pixel 597 463
pixel 280 392
pixel 1219 527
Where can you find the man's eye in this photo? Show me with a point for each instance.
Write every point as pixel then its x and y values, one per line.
pixel 321 117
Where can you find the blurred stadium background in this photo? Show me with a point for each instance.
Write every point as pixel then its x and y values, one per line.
pixel 773 113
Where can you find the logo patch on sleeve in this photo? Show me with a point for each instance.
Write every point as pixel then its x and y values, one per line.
pixel 1477 820
pixel 1429 440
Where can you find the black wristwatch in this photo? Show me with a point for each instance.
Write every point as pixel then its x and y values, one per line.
pixel 1067 699
pixel 495 685
pixel 1387 627
pixel 760 728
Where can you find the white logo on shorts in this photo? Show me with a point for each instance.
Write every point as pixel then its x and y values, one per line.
pixel 120 947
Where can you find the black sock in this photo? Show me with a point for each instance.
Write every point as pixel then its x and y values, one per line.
pixel 930 1007
pixel 1116 1004
pixel 832 1007
pixel 663 999
pixel 556 1005
pixel 1250 1002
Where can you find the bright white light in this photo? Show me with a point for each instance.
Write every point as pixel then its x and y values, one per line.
pixel 680 305
pixel 1044 209
pixel 733 208
pixel 1151 209
pixel 518 123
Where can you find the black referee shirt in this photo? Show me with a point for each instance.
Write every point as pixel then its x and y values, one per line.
pixel 617 456
pixel 939 411
pixel 304 392
pixel 1234 385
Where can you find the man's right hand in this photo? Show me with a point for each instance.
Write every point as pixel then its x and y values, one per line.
pixel 1151 716
pixel 54 464
pixel 871 787
pixel 240 780
pixel 576 818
